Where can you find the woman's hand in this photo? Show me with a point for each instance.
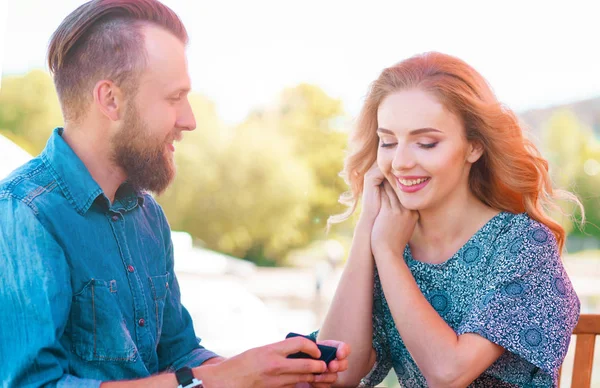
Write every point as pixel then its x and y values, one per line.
pixel 371 196
pixel 393 226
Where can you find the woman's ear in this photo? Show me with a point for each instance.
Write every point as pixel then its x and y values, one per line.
pixel 474 151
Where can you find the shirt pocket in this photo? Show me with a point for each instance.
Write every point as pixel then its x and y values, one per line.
pixel 160 291
pixel 98 328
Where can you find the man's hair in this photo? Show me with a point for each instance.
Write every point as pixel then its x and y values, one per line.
pixel 103 39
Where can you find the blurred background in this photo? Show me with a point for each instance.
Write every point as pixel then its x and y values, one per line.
pixel 276 87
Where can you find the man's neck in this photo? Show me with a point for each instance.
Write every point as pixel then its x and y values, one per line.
pixel 94 151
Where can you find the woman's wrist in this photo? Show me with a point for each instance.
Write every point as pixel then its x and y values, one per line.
pixel 364 227
pixel 387 254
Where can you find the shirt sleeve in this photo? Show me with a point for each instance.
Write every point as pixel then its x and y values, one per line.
pixel 35 298
pixel 383 362
pixel 529 307
pixel 178 344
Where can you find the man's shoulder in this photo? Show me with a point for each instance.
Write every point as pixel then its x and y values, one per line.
pixel 28 182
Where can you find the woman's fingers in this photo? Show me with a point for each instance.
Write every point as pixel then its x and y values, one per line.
pixel 391 194
pixel 385 198
pixel 374 176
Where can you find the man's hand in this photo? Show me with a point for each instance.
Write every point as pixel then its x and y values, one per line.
pixel 340 364
pixel 268 366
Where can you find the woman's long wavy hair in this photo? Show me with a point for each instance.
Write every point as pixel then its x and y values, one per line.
pixel 511 175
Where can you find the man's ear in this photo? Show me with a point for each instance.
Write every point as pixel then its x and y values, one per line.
pixel 108 98
pixel 475 150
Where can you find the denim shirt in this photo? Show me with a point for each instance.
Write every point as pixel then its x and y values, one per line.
pixel 87 292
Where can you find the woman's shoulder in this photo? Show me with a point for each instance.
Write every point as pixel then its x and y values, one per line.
pixel 524 243
pixel 521 228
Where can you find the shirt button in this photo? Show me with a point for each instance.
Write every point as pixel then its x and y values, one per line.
pixel 130 268
pixel 115 218
pixel 141 322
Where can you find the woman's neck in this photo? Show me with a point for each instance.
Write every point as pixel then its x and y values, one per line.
pixel 443 230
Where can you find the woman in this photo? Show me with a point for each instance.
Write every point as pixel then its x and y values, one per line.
pixel 454 277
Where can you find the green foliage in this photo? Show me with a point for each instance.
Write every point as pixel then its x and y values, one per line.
pixel 310 118
pixel 240 191
pixel 266 186
pixel 29 110
pixel 574 156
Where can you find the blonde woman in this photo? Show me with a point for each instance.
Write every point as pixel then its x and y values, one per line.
pixel 454 277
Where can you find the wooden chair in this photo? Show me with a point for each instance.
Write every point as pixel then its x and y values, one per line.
pixel 586 331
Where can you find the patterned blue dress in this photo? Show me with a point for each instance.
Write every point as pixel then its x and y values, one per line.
pixel 507 284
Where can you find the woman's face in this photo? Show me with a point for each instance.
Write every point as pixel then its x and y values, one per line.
pixel 423 151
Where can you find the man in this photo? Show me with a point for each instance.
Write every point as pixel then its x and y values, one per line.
pixel 88 296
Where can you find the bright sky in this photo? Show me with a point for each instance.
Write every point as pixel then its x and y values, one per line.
pixel 243 53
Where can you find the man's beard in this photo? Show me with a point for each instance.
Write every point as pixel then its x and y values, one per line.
pixel 143 158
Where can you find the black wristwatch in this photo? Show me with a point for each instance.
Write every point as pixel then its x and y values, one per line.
pixel 185 378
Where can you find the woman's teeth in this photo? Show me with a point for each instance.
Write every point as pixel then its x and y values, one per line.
pixel 412 182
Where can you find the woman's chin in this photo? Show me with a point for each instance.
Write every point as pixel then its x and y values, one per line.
pixel 411 201
pixel 412 205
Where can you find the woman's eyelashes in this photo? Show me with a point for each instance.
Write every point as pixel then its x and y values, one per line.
pixel 427 145
pixel 389 144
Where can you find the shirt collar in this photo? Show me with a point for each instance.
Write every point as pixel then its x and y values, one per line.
pixel 76 182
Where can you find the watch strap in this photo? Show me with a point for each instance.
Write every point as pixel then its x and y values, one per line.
pixel 185 378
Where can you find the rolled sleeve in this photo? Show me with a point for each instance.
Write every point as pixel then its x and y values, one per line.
pixel 35 298
pixel 68 381
pixel 196 358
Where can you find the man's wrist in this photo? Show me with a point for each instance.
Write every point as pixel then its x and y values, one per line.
pixel 187 379
pixel 205 373
pixel 214 360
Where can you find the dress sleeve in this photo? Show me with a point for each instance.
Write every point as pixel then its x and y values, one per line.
pixel 383 362
pixel 529 306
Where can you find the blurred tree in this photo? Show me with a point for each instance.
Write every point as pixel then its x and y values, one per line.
pixel 311 125
pixel 565 141
pixel 574 156
pixel 266 186
pixel 29 110
pixel 317 124
pixel 240 190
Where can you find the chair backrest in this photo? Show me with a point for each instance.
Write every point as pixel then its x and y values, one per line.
pixel 586 331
